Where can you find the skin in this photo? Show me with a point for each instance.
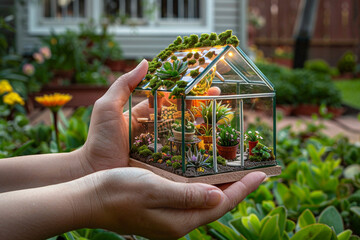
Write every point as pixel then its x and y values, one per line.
pixel 45 195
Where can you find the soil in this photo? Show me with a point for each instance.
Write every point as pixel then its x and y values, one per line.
pixel 191 171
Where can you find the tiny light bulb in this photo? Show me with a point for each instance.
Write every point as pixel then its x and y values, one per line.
pixel 231 54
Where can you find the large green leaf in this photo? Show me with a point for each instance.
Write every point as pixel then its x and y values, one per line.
pixel 306 218
pixel 224 230
pixel 107 236
pixel 271 230
pixel 345 235
pixel 332 218
pixel 239 226
pixel 281 211
pixel 313 232
pixel 197 235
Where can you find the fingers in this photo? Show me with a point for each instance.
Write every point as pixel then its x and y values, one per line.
pixel 236 192
pixel 121 89
pixel 187 195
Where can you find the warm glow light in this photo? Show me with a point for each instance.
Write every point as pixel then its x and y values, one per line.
pixel 194 50
pixel 231 54
pixel 222 58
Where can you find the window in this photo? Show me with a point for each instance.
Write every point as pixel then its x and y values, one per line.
pixel 147 16
pixel 63 9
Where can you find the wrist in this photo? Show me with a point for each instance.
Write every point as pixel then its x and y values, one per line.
pixel 83 162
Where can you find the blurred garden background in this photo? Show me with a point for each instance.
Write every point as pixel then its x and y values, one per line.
pixel 309 49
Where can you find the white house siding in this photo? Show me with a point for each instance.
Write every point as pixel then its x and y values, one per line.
pixel 226 15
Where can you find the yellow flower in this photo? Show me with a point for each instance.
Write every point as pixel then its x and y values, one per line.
pixel 5 87
pixel 200 169
pixel 111 44
pixel 53 100
pixel 12 98
pixel 53 41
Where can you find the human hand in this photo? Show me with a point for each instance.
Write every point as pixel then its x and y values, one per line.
pixel 136 201
pixel 107 144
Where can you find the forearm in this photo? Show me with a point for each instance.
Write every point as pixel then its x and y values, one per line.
pixel 41 170
pixel 44 212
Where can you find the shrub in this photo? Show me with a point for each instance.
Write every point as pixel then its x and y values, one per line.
pixel 318 65
pixel 165 149
pixel 156 156
pixel 176 165
pixel 219 159
pixel 347 63
pixel 145 152
pixel 168 163
pixel 176 158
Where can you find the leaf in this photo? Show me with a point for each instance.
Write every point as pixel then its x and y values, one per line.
pixel 107 236
pixel 314 231
pixel 270 230
pixel 224 230
pixel 332 218
pixel 21 149
pixel 306 218
pixel 290 226
pixel 240 228
pixel 345 235
pixel 197 235
pixel 226 219
pixel 281 211
pixel 314 155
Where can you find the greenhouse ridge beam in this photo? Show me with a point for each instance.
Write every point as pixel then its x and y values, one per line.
pixel 241 96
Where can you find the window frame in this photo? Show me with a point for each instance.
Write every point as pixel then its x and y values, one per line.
pixel 39 25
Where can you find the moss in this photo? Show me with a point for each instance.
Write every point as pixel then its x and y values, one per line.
pixel 191 62
pixel 199 44
pixel 163 57
pixel 157 156
pixel 176 165
pixel 225 35
pixel 148 76
pixel 233 40
pixel 177 92
pixel 189 55
pixel 151 69
pixel 158 64
pixel 143 147
pixel 194 73
pixel 186 40
pixel 181 84
pixel 145 153
pixel 153 82
pixel 204 36
pixel 176 158
pixel 201 60
pixel 169 84
pixel 213 36
pixel 193 40
pixel 173 57
pixel 210 54
pixel 155 59
pixel 219 159
pixel 184 59
pixel 196 55
pixel 207 43
pixel 178 41
pixel 165 149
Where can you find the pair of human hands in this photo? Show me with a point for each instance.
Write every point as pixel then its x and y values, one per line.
pixel 136 201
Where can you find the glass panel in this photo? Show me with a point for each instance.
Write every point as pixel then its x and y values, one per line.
pixel 258 114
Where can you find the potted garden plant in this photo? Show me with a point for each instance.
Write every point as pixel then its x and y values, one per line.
pixel 253 139
pixel 227 142
pixel 189 130
pixel 223 112
pixel 160 98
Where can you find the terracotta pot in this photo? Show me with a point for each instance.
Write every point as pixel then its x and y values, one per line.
pixel 206 139
pixel 283 62
pixel 251 146
pixel 116 65
pixel 228 153
pixel 160 101
pixel 188 104
pixel 337 112
pixel 188 136
pixel 306 109
pixel 285 109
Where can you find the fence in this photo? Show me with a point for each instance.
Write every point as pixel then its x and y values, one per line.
pixel 337 27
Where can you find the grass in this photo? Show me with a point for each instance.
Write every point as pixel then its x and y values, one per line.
pixel 350 90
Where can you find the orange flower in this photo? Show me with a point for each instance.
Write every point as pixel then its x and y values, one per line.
pixel 54 101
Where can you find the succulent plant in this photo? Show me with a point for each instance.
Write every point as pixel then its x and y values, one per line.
pixel 172 71
pixel 196 159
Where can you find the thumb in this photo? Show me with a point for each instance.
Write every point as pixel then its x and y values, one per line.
pixel 188 195
pixel 120 90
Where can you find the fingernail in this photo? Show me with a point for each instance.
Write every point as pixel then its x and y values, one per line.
pixel 213 198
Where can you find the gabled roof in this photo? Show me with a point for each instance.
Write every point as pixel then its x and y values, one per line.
pixel 240 64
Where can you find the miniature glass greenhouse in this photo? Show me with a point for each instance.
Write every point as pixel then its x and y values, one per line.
pixel 204 96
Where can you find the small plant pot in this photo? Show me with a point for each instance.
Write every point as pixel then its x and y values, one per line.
pixel 160 101
pixel 188 104
pixel 206 139
pixel 189 136
pixel 251 146
pixel 227 152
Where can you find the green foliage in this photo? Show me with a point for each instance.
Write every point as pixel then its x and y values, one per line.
pixel 347 63
pixel 223 112
pixel 146 152
pixel 220 160
pixel 156 156
pixel 194 73
pixel 189 126
pixel 227 136
pixel 262 153
pixel 172 71
pixel 176 165
pixel 165 149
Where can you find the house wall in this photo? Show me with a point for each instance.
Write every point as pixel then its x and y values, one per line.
pixel 226 15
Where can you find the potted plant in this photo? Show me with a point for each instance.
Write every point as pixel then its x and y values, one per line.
pixel 262 153
pixel 227 142
pixel 189 130
pixel 253 139
pixel 160 98
pixel 223 112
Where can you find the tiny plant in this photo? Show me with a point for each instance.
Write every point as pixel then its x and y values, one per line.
pixel 253 136
pixel 227 136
